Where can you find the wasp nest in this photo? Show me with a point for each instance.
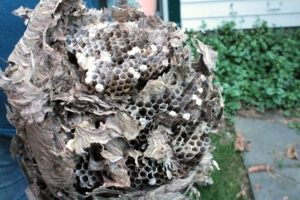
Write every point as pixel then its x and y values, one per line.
pixel 110 109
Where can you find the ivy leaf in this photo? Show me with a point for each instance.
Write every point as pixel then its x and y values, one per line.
pixel 270 91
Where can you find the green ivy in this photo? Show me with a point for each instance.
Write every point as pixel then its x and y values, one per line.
pixel 259 67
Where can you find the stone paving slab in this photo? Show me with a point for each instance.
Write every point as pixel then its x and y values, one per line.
pixel 276 185
pixel 269 141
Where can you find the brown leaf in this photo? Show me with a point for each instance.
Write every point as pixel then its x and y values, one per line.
pixel 262 167
pixel 241 193
pixel 239 142
pixel 256 186
pixel 292 153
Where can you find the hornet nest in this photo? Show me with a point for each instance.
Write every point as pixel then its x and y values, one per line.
pixel 110 109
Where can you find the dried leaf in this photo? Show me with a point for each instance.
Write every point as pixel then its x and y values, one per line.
pixel 239 142
pixel 256 186
pixel 292 153
pixel 262 167
pixel 241 193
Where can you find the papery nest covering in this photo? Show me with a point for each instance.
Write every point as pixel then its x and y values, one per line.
pixel 110 104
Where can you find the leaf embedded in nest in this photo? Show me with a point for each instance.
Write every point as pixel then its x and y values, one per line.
pixel 124 125
pixel 158 146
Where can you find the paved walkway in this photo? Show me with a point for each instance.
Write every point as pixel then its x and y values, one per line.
pixel 270 139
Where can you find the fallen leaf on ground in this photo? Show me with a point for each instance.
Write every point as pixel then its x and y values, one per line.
pixel 262 167
pixel 292 153
pixel 239 142
pixel 256 186
pixel 241 193
pixel 248 146
pixel 285 198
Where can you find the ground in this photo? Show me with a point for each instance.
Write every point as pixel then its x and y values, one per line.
pixel 271 134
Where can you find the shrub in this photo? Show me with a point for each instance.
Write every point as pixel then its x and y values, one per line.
pixel 257 67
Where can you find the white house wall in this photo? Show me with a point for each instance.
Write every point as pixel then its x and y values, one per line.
pixel 284 13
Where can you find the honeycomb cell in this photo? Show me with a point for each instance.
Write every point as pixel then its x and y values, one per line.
pixel 84 178
pixel 202 149
pixel 163 107
pixel 206 140
pixel 134 174
pixel 143 174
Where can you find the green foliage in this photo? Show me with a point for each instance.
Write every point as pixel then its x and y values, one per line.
pixel 280 164
pixel 259 67
pixel 227 181
pixel 292 125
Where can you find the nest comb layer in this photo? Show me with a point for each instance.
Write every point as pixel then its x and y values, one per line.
pixel 110 109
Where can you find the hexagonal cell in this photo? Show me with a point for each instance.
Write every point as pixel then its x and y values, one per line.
pixel 207 140
pixel 160 101
pixel 143 137
pixel 199 143
pixel 163 107
pixel 195 149
pixel 85 166
pixel 84 178
pixel 93 179
pixel 137 182
pixel 148 104
pixel 189 156
pixel 134 174
pixel 89 173
pixel 202 149
pixel 143 174
pixel 143 111
pixel 78 166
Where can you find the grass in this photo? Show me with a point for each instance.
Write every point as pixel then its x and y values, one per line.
pixel 231 178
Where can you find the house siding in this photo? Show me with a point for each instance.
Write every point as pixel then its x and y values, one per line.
pixel 285 13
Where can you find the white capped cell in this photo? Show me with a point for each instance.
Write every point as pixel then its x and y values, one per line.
pixel 200 90
pixel 134 51
pixel 99 88
pixel 186 116
pixel 143 68
pixel 203 78
pixel 194 97
pixel 88 80
pixel 135 73
pixel 173 113
pixel 199 102
pixel 165 62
